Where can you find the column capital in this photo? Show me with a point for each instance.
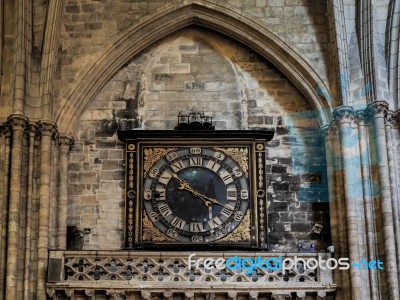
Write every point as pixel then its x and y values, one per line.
pixel 33 128
pixel 47 128
pixel 396 116
pixel 390 118
pixel 323 130
pixel 333 130
pixel 17 122
pixel 65 142
pixel 377 109
pixel 360 114
pixel 344 114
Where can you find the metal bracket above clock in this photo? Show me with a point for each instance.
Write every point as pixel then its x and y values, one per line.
pixel 195 189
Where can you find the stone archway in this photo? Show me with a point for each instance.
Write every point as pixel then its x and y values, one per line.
pixel 161 24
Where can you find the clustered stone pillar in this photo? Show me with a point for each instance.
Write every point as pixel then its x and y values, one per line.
pixel 29 206
pixel 31 180
pixel 377 111
pixel 66 142
pixel 368 204
pixel 5 174
pixel 17 124
pixel 362 167
pixel 47 130
pixel 336 212
pixel 352 189
pixel 392 162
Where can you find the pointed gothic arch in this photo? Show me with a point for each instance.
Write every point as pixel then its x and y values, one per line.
pixel 172 18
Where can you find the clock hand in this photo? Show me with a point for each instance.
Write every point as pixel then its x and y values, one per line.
pixel 212 200
pixel 185 185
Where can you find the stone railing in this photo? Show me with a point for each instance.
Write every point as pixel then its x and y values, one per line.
pixel 148 274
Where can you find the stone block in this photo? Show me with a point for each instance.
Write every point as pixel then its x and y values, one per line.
pixel 72 9
pixel 278 169
pixel 258 120
pixel 105 144
pixel 180 68
pixel 301 227
pixel 281 186
pixel 111 164
pixel 279 206
pixel 88 7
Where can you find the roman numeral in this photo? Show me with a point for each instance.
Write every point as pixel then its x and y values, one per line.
pixel 195 161
pixel 165 177
pixel 231 194
pixel 227 211
pixel 215 222
pixel 160 194
pixel 196 227
pixel 177 166
pixel 226 177
pixel 178 223
pixel 212 165
pixel 165 210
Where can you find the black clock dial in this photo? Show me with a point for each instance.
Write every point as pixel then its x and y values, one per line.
pixel 189 207
pixel 196 194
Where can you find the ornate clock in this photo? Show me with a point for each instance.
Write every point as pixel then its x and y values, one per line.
pixel 195 188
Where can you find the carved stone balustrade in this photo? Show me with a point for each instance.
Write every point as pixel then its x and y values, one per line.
pixel 140 275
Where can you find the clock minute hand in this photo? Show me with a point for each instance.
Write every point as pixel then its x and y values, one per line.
pixel 184 185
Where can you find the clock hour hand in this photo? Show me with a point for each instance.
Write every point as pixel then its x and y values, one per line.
pixel 212 200
pixel 184 185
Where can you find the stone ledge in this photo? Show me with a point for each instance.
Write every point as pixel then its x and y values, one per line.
pixel 156 272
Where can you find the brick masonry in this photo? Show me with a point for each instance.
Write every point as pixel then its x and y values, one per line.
pixel 89 25
pixel 200 70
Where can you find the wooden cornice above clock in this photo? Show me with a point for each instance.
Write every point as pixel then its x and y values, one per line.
pixel 195 189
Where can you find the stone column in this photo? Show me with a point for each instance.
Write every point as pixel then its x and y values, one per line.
pixel 336 205
pixel 396 151
pixel 55 156
pixel 389 122
pixel 66 142
pixel 47 130
pixel 4 206
pixel 29 194
pixel 370 221
pixel 377 111
pixel 18 125
pixel 352 189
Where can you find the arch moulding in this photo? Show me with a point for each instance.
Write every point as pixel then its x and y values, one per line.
pixel 174 17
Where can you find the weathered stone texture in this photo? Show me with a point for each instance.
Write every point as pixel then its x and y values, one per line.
pixel 200 70
pixel 90 25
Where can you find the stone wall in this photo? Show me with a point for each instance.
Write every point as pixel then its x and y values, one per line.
pixel 89 27
pixel 201 70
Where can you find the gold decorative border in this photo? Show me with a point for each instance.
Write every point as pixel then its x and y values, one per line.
pixel 241 233
pixel 131 152
pixel 151 156
pixel 240 155
pixel 152 233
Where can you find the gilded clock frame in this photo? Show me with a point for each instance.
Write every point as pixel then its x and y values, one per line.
pixel 140 232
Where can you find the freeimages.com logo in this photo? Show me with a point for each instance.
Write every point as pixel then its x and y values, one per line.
pixel 249 264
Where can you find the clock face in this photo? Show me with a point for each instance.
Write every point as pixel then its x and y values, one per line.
pixel 196 194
